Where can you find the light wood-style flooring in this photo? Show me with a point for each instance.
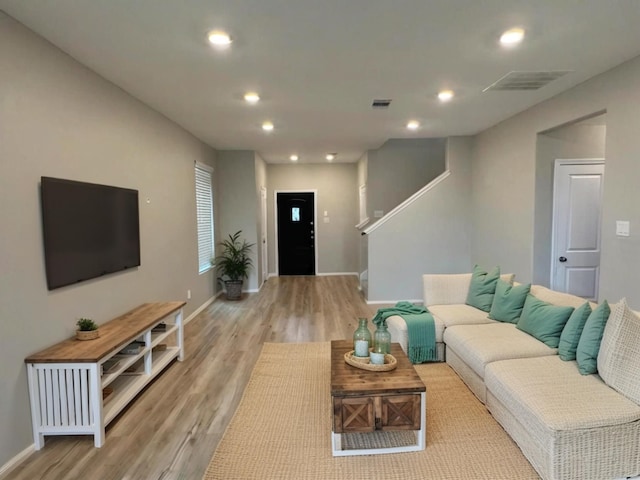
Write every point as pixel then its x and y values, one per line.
pixel 172 429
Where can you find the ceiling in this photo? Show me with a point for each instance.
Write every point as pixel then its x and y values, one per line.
pixel 319 64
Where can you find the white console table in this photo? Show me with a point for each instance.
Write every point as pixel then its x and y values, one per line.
pixel 67 383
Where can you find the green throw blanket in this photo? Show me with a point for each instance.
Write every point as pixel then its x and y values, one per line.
pixel 421 330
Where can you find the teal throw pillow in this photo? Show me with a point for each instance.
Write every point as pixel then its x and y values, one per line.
pixel 482 288
pixel 572 331
pixel 543 320
pixel 589 344
pixel 508 301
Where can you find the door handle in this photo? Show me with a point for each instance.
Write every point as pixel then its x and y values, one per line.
pixel 563 259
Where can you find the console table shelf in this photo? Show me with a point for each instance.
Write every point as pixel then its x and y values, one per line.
pixel 67 382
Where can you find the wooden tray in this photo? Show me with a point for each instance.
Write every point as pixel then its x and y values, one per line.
pixel 390 363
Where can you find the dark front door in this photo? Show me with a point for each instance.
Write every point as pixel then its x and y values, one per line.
pixel 296 233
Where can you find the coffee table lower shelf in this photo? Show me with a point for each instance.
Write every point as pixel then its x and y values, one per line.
pixel 339 450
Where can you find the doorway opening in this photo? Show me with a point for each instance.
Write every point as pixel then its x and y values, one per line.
pixel 579 141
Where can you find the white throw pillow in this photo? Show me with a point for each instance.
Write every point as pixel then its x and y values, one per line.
pixel 619 356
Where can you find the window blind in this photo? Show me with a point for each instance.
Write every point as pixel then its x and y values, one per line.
pixel 204 206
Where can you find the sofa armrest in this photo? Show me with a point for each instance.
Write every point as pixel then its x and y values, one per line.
pixel 451 288
pixel 446 289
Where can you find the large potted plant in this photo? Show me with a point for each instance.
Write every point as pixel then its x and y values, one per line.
pixel 233 264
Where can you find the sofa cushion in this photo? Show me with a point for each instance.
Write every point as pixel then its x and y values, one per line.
pixel 508 302
pixel 445 289
pixel 400 326
pixel 450 288
pixel 443 316
pixel 557 298
pixel 478 345
pixel 589 344
pixel 482 288
pixel 572 330
pixel 543 320
pixel 451 315
pixel 548 394
pixel 619 357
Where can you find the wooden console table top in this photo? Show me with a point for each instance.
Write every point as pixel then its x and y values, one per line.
pixel 113 334
pixel 351 381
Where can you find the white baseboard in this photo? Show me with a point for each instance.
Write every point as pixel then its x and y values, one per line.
pixel 393 302
pixel 17 460
pixel 326 274
pixel 333 274
pixel 201 308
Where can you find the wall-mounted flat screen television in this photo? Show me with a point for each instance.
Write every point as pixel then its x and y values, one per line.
pixel 89 230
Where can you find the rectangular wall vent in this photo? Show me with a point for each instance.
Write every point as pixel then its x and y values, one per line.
pixel 381 103
pixel 526 80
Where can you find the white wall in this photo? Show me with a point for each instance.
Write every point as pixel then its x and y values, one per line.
pixel 400 168
pixel 261 181
pixel 237 209
pixel 363 244
pixel 431 235
pixel 504 170
pixel 60 119
pixel 576 141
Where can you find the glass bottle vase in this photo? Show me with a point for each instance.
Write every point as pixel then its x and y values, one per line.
pixel 362 339
pixel 382 339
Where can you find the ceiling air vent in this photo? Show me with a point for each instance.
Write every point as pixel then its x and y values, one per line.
pixel 526 80
pixel 381 103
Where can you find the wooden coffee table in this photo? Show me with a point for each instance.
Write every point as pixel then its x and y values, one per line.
pixel 365 401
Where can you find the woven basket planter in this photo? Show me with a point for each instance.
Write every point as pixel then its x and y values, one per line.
pixel 87 334
pixel 234 289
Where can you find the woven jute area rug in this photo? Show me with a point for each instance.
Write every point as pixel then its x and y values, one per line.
pixel 282 427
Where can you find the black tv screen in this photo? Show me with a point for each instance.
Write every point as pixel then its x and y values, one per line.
pixel 89 230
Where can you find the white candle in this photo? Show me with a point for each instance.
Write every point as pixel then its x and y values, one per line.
pixel 377 358
pixel 362 348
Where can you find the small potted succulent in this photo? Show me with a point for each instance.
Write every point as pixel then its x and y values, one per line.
pixel 87 329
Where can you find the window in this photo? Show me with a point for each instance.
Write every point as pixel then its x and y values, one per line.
pixel 204 208
pixel 295 214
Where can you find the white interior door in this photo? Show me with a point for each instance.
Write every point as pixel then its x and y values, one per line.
pixel 577 208
pixel 263 234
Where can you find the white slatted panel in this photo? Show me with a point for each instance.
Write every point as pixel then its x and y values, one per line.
pixel 55 397
pixel 64 397
pixel 84 397
pixel 204 205
pixel 43 396
pixel 64 401
pixel 49 395
pixel 78 400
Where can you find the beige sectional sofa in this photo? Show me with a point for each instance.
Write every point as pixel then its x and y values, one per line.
pixel 568 425
pixel 447 295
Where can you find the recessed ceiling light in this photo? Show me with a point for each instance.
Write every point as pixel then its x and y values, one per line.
pixel 219 38
pixel 445 95
pixel 331 156
pixel 512 37
pixel 293 158
pixel 267 126
pixel 251 97
pixel 413 125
